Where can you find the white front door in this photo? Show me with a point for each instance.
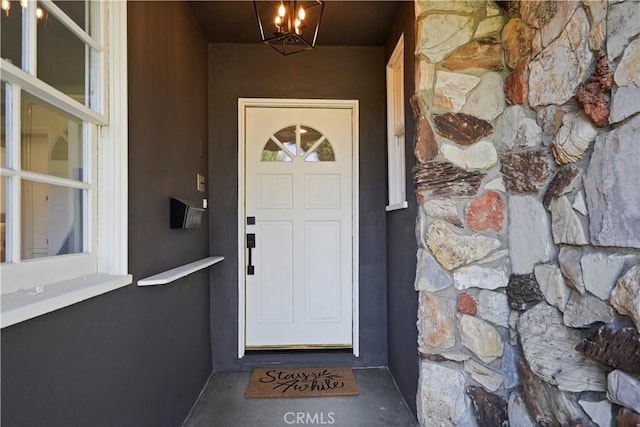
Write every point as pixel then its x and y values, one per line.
pixel 298 165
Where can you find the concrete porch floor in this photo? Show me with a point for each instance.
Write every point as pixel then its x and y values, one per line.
pixel 378 404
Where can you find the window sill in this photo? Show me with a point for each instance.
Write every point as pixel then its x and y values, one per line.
pixel 179 272
pixel 397 206
pixel 24 305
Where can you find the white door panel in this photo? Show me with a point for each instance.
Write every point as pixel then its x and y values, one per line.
pixel 299 187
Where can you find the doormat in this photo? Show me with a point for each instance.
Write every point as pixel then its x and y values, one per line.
pixel 301 382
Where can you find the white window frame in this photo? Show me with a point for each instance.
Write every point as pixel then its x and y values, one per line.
pixel 39 286
pixel 396 173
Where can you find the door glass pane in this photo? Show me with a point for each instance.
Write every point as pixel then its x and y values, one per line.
pixel 61 58
pixel 287 137
pixel 11 32
pixel 51 140
pixel 272 152
pixel 308 137
pixel 51 220
pixel 324 153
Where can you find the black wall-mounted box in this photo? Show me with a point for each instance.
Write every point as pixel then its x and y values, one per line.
pixel 183 215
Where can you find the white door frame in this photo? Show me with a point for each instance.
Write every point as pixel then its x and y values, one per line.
pixel 243 103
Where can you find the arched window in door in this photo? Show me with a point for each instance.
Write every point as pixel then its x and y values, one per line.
pixel 298 141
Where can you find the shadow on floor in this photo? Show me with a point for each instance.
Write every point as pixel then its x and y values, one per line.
pixel 378 404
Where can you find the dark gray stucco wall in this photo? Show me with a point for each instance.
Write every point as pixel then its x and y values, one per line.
pixel 136 356
pixel 401 241
pixel 256 71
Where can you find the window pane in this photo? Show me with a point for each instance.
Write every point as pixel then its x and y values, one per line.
pixel 3 220
pixel 51 140
pixel 61 58
pixel 3 125
pixel 76 11
pixel 51 220
pixel 11 33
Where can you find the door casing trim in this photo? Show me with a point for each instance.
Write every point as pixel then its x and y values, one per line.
pixel 351 104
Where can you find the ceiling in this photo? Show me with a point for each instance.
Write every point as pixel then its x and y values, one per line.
pixel 344 23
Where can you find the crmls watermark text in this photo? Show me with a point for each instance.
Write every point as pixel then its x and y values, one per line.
pixel 307 418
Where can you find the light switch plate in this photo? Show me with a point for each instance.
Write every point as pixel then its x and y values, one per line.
pixel 200 183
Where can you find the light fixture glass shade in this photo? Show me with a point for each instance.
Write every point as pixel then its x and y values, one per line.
pixel 292 31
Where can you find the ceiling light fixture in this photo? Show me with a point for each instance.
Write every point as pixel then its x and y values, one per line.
pixel 289 26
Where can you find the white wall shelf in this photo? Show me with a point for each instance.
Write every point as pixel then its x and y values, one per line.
pixel 176 273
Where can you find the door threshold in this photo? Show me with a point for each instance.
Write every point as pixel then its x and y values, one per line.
pixel 303 347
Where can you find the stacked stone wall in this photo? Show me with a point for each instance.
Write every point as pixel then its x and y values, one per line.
pixel 528 179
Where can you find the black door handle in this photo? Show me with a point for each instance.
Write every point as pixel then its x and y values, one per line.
pixel 251 244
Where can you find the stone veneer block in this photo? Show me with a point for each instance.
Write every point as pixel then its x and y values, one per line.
pixel 423 7
pixel 454 250
pixel 442 209
pixel 461 128
pixel 486 212
pixel 566 226
pixel 518 414
pixel 435 323
pixel 573 138
pixel 552 25
pixel 487 377
pixel 600 412
pixel 480 337
pixel 487 100
pixel 510 367
pixel 481 155
pixel 600 272
pixel 564 181
pixel 489 27
pixel 425 146
pixel 597 11
pixel 546 404
pixel 523 291
pixel 441 34
pixel 466 304
pixel 618 348
pixel 444 179
pixel 440 397
pixel 425 76
pixel 624 390
pixel 430 276
pixel 593 93
pixel 493 307
pixel 624 103
pixel 517 129
pixel 525 171
pixel 516 84
pixel 569 260
pixel 549 349
pixel 611 186
pixel 628 70
pixel 516 39
pixel 583 311
pixel 484 54
pixel 490 409
pixel 476 276
pixel 626 295
pixel 627 418
pixel 529 233
pixel 451 89
pixel 623 23
pixel 552 285
pixel 555 74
